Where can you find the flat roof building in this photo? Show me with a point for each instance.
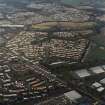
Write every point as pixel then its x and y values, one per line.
pixel 83 73
pixel 97 70
pixel 73 95
pixel 102 81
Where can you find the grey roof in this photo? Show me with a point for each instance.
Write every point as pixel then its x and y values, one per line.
pixel 102 81
pixel 96 85
pixel 83 73
pixel 73 95
pixel 97 70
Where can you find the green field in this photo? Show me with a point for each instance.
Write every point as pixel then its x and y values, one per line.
pixel 97 52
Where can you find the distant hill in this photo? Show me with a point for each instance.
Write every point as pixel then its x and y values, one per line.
pixel 96 3
pixel 73 2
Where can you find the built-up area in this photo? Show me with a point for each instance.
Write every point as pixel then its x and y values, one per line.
pixel 36 33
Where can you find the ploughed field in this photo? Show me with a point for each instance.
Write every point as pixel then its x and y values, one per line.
pixel 65 25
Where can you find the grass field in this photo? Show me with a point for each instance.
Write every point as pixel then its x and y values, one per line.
pixel 97 51
pixel 96 54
